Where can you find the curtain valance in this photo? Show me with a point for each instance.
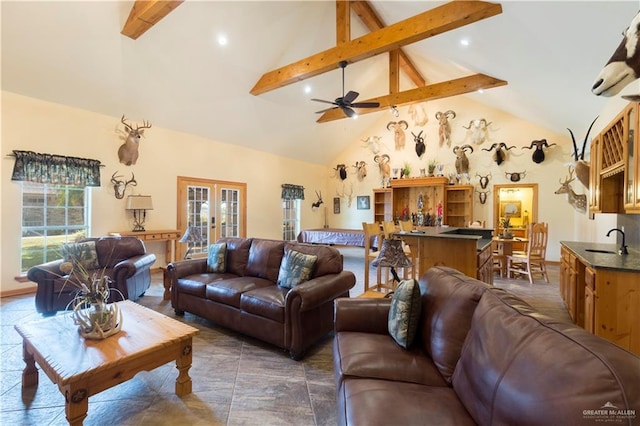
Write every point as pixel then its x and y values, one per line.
pixel 292 192
pixel 55 169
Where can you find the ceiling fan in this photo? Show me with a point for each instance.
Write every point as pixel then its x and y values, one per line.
pixel 345 103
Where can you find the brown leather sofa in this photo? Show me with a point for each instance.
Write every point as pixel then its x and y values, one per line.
pixel 482 356
pixel 247 299
pixel 124 259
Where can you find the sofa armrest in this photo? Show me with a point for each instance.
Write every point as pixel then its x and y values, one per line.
pixel 46 271
pixel 182 268
pixel 129 267
pixel 365 314
pixel 320 290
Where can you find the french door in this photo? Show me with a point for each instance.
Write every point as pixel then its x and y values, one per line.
pixel 212 209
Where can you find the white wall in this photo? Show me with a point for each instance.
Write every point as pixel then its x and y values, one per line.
pixel 505 127
pixel 36 125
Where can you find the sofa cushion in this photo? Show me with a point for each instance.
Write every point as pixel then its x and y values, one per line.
pixel 378 356
pixel 329 258
pixel 265 302
pixel 404 312
pixel 295 268
pixel 228 291
pixel 449 299
pixel 83 254
pixel 537 370
pixel 196 284
pixel 383 402
pixel 216 258
pixel 264 259
pixel 237 254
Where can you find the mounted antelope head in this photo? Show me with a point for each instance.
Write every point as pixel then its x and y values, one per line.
pixel 361 169
pixel 319 201
pixel 582 167
pixel 420 146
pixel 478 130
pixel 501 151
pixel 342 171
pixel 444 127
pixel 128 151
pixel 398 132
pixel 578 201
pixel 624 66
pixel 119 186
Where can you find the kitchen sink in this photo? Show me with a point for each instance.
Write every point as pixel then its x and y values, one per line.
pixel 600 251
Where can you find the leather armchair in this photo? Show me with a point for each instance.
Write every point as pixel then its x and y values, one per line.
pixel 124 259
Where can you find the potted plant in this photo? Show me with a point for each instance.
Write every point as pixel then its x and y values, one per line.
pixel 506 224
pixel 431 167
pixel 406 170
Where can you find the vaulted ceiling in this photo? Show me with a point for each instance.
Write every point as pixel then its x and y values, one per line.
pixel 177 76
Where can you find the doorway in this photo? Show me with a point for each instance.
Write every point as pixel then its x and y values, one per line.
pixel 518 202
pixel 213 209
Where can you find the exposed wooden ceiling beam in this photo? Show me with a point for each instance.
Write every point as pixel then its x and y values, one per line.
pixel 394 71
pixel 459 86
pixel 145 14
pixel 373 22
pixel 427 24
pixel 343 22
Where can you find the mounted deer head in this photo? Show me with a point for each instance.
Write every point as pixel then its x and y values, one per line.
pixel 578 201
pixel 119 186
pixel 624 66
pixel 482 195
pixel 484 180
pixel 128 151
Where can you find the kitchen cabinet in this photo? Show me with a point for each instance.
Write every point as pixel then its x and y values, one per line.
pixel 459 201
pixel 589 300
pixel 572 285
pixel 631 176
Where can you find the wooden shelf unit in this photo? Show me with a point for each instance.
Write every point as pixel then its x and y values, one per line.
pixel 382 205
pixel 459 205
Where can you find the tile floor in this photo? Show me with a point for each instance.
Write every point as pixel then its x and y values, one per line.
pixel 236 380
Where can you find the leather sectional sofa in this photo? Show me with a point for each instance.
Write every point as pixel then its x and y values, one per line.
pixel 482 356
pixel 124 259
pixel 247 299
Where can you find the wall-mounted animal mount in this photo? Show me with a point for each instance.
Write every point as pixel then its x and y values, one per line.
pixel 462 162
pixel 482 195
pixel 348 196
pixel 582 167
pixel 515 176
pixel 624 65
pixel 444 126
pixel 478 130
pixel 418 114
pixel 119 185
pixel 385 169
pixel 128 151
pixel 420 146
pixel 578 201
pixel 501 151
pixel 342 171
pixel 361 169
pixel 398 128
pixel 319 201
pixel 538 154
pixel 484 180
pixel 373 143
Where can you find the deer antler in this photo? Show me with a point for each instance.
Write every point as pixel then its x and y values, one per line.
pixel 569 179
pixel 133 181
pixel 145 125
pixel 122 120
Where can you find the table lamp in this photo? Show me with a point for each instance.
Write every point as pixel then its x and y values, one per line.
pixel 392 256
pixel 193 234
pixel 139 204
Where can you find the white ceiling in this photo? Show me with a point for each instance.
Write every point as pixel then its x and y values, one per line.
pixel 178 77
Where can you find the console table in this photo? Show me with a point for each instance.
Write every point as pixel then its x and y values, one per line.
pixel 170 236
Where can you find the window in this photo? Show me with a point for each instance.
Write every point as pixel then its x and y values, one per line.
pixel 290 219
pixel 51 216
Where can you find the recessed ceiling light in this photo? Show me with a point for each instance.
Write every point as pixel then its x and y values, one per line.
pixel 222 40
pixel 307 89
pixel 481 91
pixel 464 41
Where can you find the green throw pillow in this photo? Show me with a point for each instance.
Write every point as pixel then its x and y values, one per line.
pixel 217 258
pixel 404 313
pixel 295 268
pixel 84 254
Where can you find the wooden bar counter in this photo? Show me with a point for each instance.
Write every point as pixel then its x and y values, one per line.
pixel 466 249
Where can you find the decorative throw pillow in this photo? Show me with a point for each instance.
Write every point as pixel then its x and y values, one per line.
pixel 404 313
pixel 81 254
pixel 295 268
pixel 217 258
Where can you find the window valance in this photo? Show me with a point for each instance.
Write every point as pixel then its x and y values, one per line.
pixel 55 169
pixel 292 192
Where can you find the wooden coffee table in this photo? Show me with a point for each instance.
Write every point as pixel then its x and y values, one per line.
pixel 82 368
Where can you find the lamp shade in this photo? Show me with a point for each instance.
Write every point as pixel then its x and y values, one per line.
pixel 392 254
pixel 139 202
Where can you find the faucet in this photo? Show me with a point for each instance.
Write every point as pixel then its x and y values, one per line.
pixel 623 247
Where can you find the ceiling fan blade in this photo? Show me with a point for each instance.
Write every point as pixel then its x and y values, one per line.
pixel 350 96
pixel 348 111
pixel 325 110
pixel 366 105
pixel 322 100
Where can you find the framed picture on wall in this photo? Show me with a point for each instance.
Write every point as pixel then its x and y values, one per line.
pixel 364 202
pixel 336 205
pixel 510 208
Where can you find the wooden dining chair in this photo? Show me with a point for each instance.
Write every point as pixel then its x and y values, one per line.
pixel 533 262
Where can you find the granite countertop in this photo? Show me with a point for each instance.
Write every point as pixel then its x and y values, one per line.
pixel 629 262
pixel 454 233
